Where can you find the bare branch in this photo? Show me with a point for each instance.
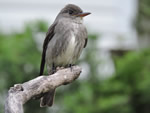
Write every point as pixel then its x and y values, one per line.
pixel 21 93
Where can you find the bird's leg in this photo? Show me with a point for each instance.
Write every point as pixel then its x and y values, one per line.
pixel 53 68
pixel 70 65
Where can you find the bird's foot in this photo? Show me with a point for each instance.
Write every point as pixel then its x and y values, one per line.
pixel 70 65
pixel 53 71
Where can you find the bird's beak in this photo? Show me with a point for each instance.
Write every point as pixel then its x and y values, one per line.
pixel 83 14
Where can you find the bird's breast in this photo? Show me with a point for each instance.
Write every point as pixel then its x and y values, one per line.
pixel 68 55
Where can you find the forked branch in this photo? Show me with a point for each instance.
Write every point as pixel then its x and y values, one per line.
pixel 21 93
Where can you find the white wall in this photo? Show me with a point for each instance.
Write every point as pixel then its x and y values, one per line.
pixel 112 19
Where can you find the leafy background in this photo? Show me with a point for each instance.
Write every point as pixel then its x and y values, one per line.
pixel 127 91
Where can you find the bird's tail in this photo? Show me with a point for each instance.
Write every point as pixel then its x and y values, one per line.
pixel 47 99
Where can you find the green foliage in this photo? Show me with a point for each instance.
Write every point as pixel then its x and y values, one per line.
pixel 125 92
pixel 19 58
pixel 134 71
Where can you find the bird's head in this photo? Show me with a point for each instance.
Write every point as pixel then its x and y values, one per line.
pixel 73 12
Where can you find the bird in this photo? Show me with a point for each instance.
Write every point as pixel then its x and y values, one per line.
pixel 63 44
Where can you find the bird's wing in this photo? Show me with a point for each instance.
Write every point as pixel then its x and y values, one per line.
pixel 49 36
pixel 86 40
pixel 86 37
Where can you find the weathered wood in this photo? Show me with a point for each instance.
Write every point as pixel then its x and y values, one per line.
pixel 21 93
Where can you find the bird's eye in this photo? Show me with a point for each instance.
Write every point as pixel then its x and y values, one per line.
pixel 70 12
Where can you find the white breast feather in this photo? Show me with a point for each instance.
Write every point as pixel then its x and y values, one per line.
pixel 67 56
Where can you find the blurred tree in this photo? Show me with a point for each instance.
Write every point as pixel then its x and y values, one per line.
pixel 143 23
pixel 133 71
pixel 143 17
pixel 125 92
pixel 20 60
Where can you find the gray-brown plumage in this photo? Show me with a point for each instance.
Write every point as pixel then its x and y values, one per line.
pixel 63 44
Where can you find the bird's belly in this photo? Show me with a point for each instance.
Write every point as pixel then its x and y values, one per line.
pixel 68 56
